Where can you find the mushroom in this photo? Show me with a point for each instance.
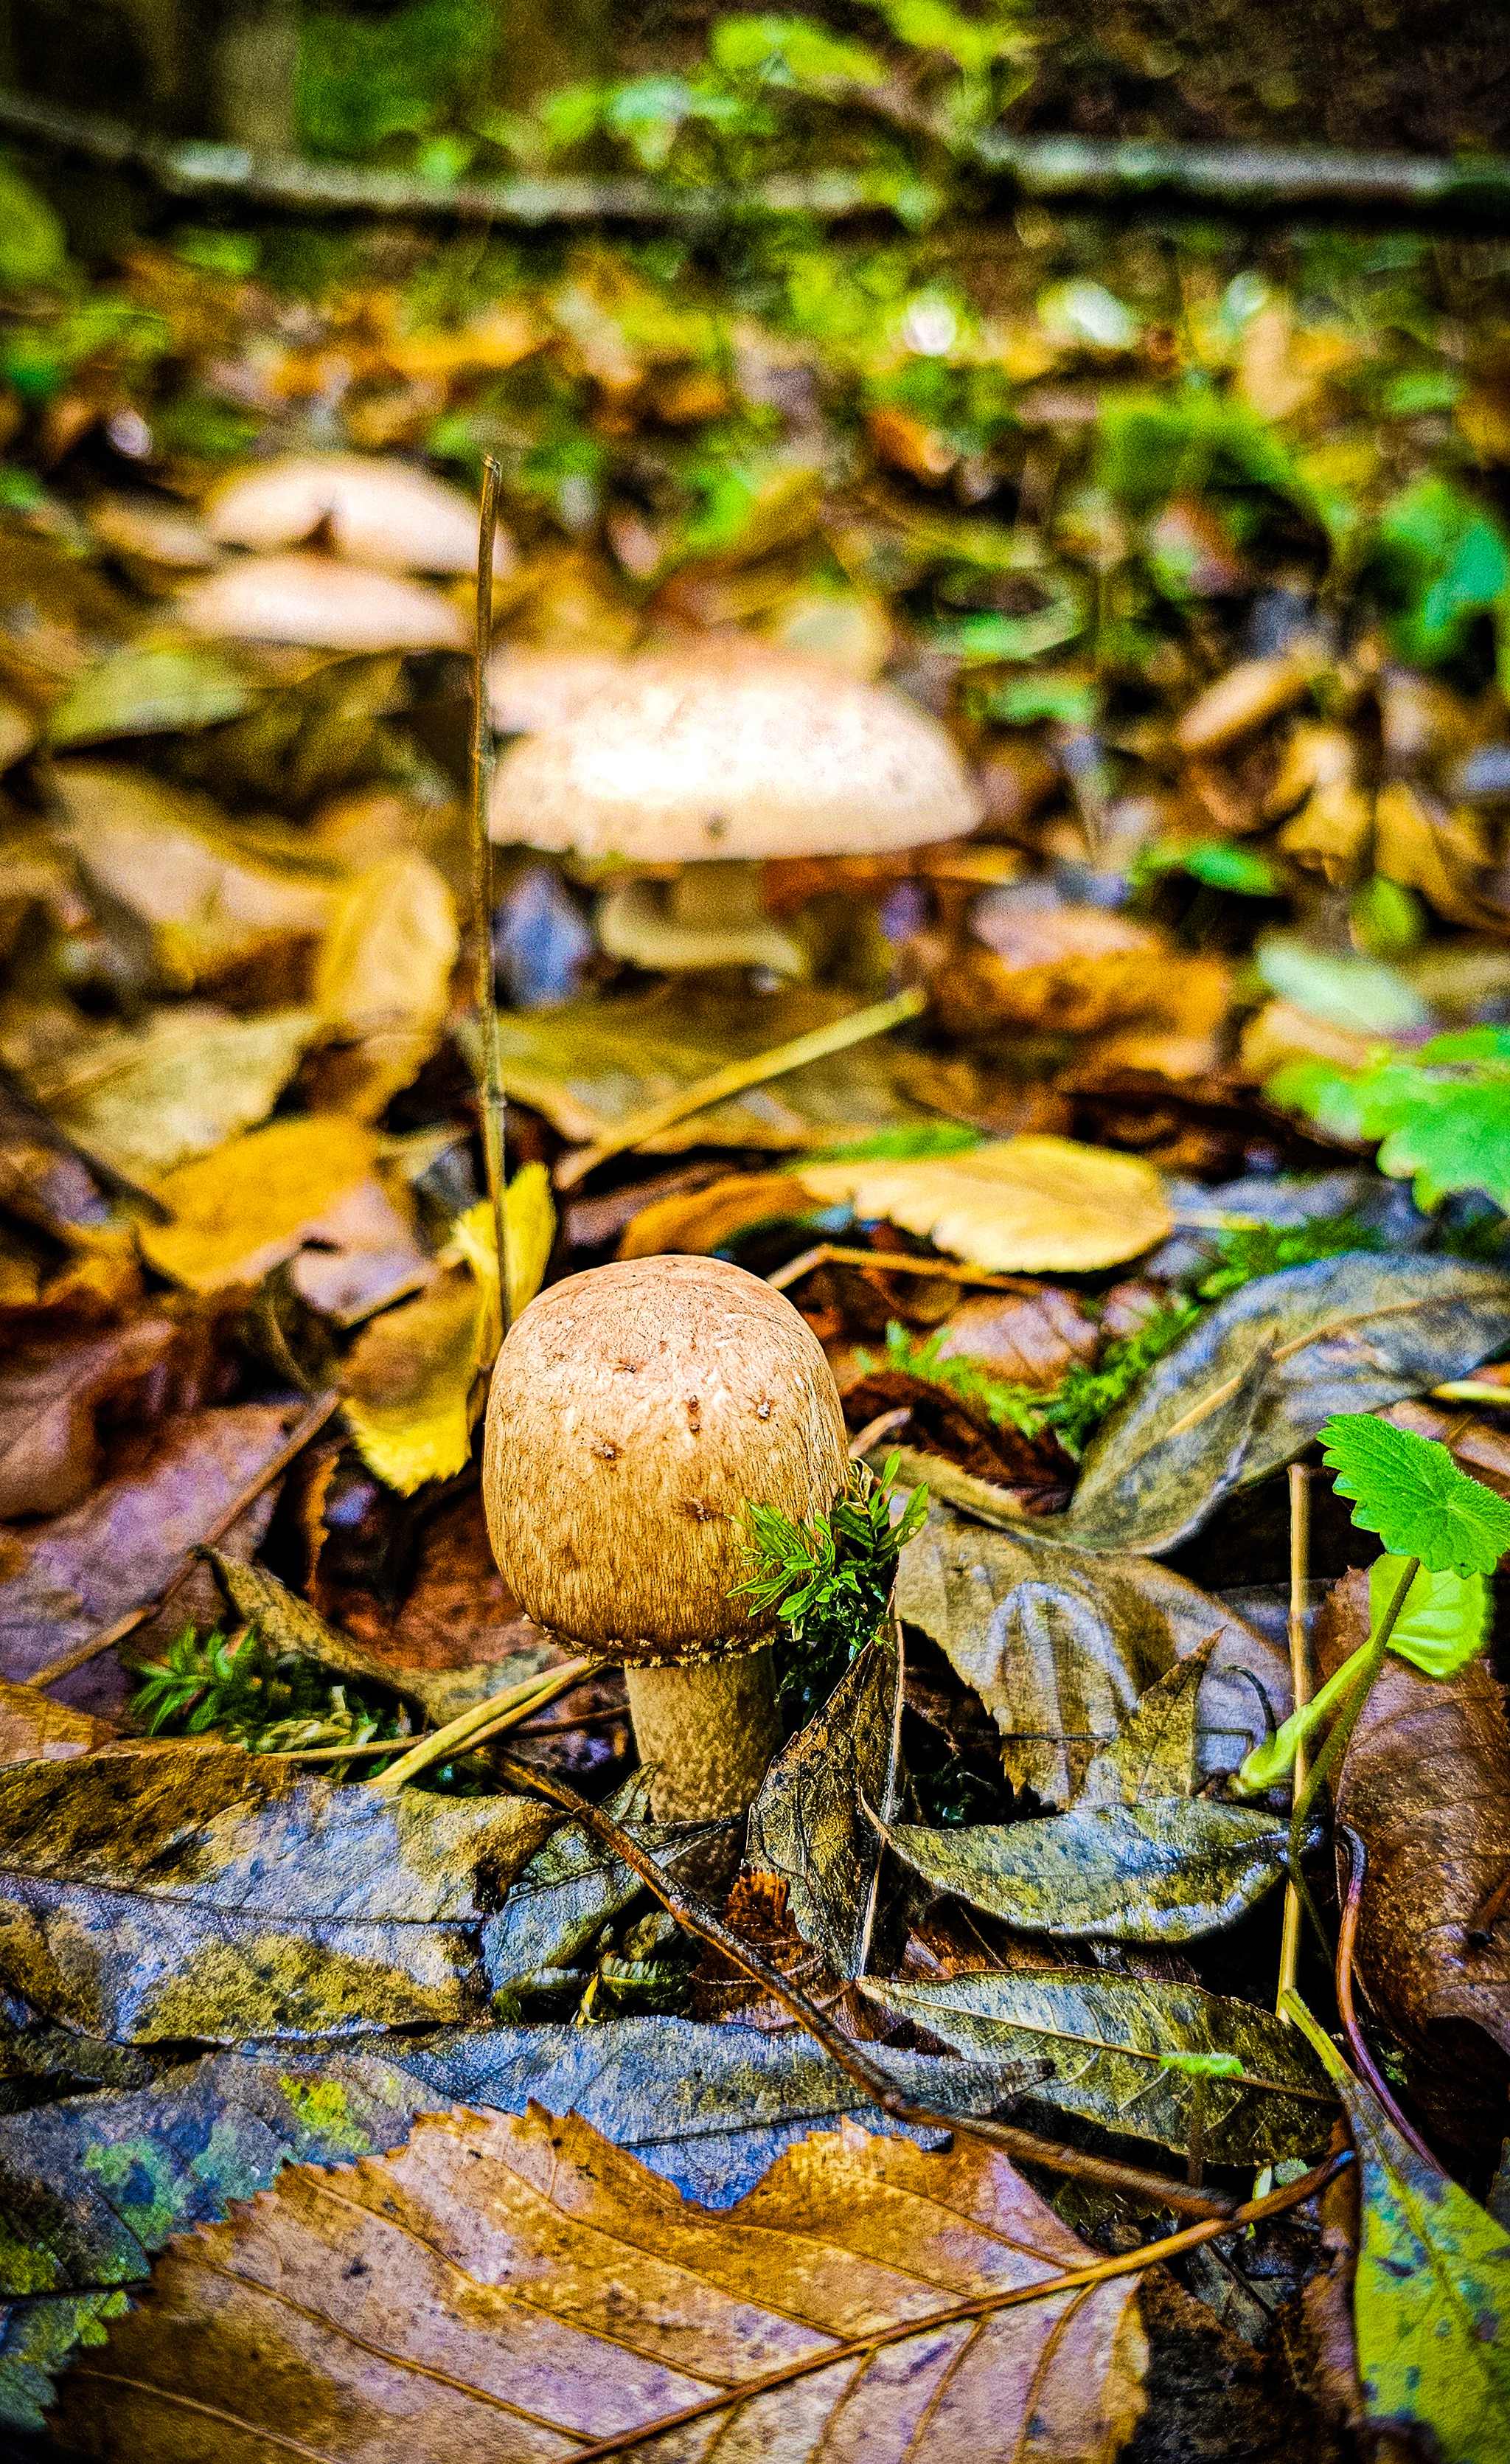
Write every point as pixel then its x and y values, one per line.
pixel 634 1410
pixel 712 758
pixel 317 603
pixel 375 512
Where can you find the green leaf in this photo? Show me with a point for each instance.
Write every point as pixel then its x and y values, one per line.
pixel 1408 1490
pixel 1431 2294
pixel 1445 1620
pixel 1441 560
pixel 33 248
pixel 1362 994
pixel 1107 2036
pixel 1216 863
pixel 1169 1871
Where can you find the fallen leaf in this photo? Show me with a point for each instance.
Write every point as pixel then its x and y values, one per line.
pixel 572 1888
pixel 1059 1644
pixel 384 971
pixel 1070 970
pixel 1242 700
pixel 263 1198
pixel 1027 1339
pixel 815 1823
pixel 1429 2319
pixel 159 538
pixel 56 1395
pixel 702 1221
pixel 1250 1386
pixel 209 913
pixel 587 1064
pixel 1037 1206
pixel 358 2281
pixel 1034 1470
pixel 1168 1871
pixel 149 690
pixel 315 603
pixel 411 1382
pixel 35 1730
pixel 217 1896
pixel 65 1579
pixel 376 510
pixel 1426 1785
pixel 143 1101
pixel 1105 2034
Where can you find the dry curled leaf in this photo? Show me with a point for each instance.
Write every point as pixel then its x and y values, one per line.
pixel 502 2286
pixel 1037 1206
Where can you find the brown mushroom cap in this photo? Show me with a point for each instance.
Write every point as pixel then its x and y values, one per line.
pixel 634 1410
pixel 731 758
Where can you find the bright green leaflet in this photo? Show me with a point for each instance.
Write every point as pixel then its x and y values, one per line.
pixel 1410 1490
pixel 1442 1115
pixel 1432 2297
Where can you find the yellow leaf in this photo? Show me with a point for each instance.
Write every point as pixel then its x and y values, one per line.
pixel 414 1379
pixel 384 979
pixel 255 1200
pixel 1029 1205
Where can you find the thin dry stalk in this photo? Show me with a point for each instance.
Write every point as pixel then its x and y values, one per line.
pixel 503 1710
pixel 490 1092
pixel 829 1253
pixel 1363 2060
pixel 1300 1682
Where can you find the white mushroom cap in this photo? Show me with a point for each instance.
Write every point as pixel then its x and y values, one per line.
pixel 530 689
pixel 734 753
pixel 316 603
pixel 380 511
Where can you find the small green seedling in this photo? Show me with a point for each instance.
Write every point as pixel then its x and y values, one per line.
pixel 1444 1535
pixel 829 1580
pixel 1198 2068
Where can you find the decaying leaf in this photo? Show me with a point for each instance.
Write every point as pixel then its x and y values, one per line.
pixel 221 1895
pixel 1041 1205
pixel 147 689
pixel 383 2305
pixel 1106 2035
pixel 55 1392
pixel 410 1378
pixel 1059 1644
pixel 1432 2292
pixel 383 975
pixel 1426 1785
pixel 35 1730
pixel 702 1221
pixel 572 1889
pixel 1250 1385
pixel 263 1198
pixel 814 1824
pixel 145 1100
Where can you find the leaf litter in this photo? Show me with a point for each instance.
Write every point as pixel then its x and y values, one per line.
pixel 1234 916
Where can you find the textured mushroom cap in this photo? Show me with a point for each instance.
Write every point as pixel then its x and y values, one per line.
pixel 315 603
pixel 757 754
pixel 531 689
pixel 633 1411
pixel 380 511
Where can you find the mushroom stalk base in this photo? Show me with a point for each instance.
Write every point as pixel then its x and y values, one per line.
pixel 711 1731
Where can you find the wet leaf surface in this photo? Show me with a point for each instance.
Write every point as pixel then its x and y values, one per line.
pixel 815 1823
pixel 1059 1644
pixel 1251 1386
pixel 221 1895
pixel 1106 2035
pixel 389 2277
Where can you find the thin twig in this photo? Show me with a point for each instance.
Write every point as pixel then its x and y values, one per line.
pixel 1340 1735
pixel 481 774
pixel 505 1709
pixel 879 2088
pixel 1346 1936
pixel 736 1077
pixel 1230 180
pixel 828 1253
pixel 297 1438
pixel 1300 1682
pixel 985 2305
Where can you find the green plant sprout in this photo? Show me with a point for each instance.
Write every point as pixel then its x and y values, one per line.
pixel 829 1580
pixel 244 1689
pixel 1444 1533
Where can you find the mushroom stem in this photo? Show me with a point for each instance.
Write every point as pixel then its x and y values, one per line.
pixel 711 916
pixel 708 1730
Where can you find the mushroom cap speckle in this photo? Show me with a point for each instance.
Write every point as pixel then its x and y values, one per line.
pixel 734 756
pixel 634 1410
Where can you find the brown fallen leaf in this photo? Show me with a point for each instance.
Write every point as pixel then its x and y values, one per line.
pixel 1024 1341
pixel 502 2286
pixel 1242 700
pixel 261 1198
pixel 1029 1204
pixel 1426 1785
pixel 1431 848
pixel 1036 1471
pixel 57 1395
pixel 383 977
pixel 702 1221
pixel 33 1728
pixel 318 604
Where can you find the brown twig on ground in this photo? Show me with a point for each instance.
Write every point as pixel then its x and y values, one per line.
pixel 490 1092
pixel 887 1262
pixel 1364 2062
pixel 294 1443
pixel 1230 180
pixel 1022 2146
pixel 1073 2279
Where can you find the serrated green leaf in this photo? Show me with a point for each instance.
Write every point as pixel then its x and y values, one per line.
pixel 1431 2294
pixel 1445 1620
pixel 1408 1490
